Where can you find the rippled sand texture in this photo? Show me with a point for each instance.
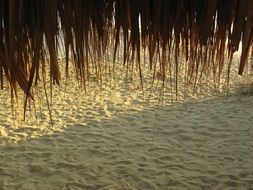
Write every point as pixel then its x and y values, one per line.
pixel 116 139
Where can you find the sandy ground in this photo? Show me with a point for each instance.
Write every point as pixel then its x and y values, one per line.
pixel 113 137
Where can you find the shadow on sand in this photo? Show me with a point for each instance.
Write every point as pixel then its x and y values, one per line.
pixel 201 145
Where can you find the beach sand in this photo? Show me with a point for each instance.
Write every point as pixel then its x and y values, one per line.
pixel 114 137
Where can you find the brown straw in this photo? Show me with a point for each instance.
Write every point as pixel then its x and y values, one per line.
pixel 204 32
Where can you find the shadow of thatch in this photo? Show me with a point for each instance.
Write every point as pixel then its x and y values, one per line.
pixel 196 145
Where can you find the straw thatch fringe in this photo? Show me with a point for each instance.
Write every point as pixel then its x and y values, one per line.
pixel 203 31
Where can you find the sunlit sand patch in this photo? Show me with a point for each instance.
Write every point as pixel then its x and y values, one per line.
pixel 70 104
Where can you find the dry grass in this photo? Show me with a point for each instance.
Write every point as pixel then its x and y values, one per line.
pixel 165 35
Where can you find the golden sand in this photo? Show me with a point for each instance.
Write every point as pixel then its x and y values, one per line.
pixel 114 137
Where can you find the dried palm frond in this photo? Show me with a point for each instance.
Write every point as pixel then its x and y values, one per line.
pixel 204 32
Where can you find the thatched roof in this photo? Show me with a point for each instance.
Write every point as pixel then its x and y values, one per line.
pixel 200 30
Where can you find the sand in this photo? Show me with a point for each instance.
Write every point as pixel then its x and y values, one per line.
pixel 113 137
